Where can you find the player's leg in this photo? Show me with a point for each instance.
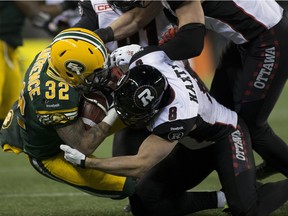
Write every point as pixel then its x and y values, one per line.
pixel 91 181
pixel 224 77
pixel 236 169
pixel 10 81
pixel 163 190
pixel 264 170
pixel 127 142
pixel 254 106
pixel 262 80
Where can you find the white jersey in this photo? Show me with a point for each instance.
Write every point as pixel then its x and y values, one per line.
pixel 237 20
pixel 149 35
pixel 192 108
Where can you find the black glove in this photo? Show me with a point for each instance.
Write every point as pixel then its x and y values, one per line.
pixel 106 34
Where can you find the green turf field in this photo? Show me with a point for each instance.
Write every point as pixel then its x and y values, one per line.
pixel 24 192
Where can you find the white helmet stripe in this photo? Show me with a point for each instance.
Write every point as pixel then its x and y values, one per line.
pixel 85 37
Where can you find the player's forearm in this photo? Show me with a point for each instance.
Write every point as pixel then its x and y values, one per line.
pixel 32 8
pixel 185 46
pixel 29 8
pixel 130 22
pixel 123 166
pixel 86 141
pixel 126 26
pixel 189 40
pixel 94 137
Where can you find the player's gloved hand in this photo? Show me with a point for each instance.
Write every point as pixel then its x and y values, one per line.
pixel 44 21
pixel 122 56
pixel 54 28
pixel 73 156
pixel 41 20
pixel 171 33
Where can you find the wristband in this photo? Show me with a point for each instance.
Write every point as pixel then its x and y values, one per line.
pixel 111 117
pixel 106 34
pixel 82 163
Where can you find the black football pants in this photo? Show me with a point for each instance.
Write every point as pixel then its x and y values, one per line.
pixel 250 80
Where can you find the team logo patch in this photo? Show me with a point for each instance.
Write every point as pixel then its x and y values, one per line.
pixel 99 8
pixel 8 120
pixel 74 67
pixel 144 96
pixel 175 135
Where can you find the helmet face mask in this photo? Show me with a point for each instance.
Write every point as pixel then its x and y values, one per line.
pixel 136 120
pixel 80 58
pixel 96 80
pixel 139 95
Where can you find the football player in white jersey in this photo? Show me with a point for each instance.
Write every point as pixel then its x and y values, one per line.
pixel 98 14
pixel 259 29
pixel 160 94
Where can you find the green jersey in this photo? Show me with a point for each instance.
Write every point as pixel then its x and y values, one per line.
pixel 11 23
pixel 45 103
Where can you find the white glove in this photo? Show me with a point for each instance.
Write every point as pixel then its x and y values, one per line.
pixel 122 56
pixel 73 156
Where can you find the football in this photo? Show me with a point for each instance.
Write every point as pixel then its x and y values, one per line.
pixel 93 108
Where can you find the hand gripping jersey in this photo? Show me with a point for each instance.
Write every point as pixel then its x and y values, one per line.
pixel 149 35
pixel 192 112
pixel 237 20
pixel 46 102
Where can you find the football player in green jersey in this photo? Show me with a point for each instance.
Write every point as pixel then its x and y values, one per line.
pixel 46 113
pixel 12 20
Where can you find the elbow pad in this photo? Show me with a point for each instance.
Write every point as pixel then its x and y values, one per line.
pixel 188 42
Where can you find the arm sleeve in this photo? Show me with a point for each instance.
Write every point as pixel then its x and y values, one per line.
pixel 188 42
pixel 89 18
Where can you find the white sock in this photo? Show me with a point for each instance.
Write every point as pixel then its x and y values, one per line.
pixel 221 199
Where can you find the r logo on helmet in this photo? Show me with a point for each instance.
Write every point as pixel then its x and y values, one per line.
pixel 74 67
pixel 144 96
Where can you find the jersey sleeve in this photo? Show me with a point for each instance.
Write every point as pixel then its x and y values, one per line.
pixel 175 130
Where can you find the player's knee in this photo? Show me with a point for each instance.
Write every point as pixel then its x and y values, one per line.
pixel 254 211
pixel 142 205
pixel 136 206
pixel 242 211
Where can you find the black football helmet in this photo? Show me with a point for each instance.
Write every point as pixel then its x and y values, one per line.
pixel 139 95
pixel 126 5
